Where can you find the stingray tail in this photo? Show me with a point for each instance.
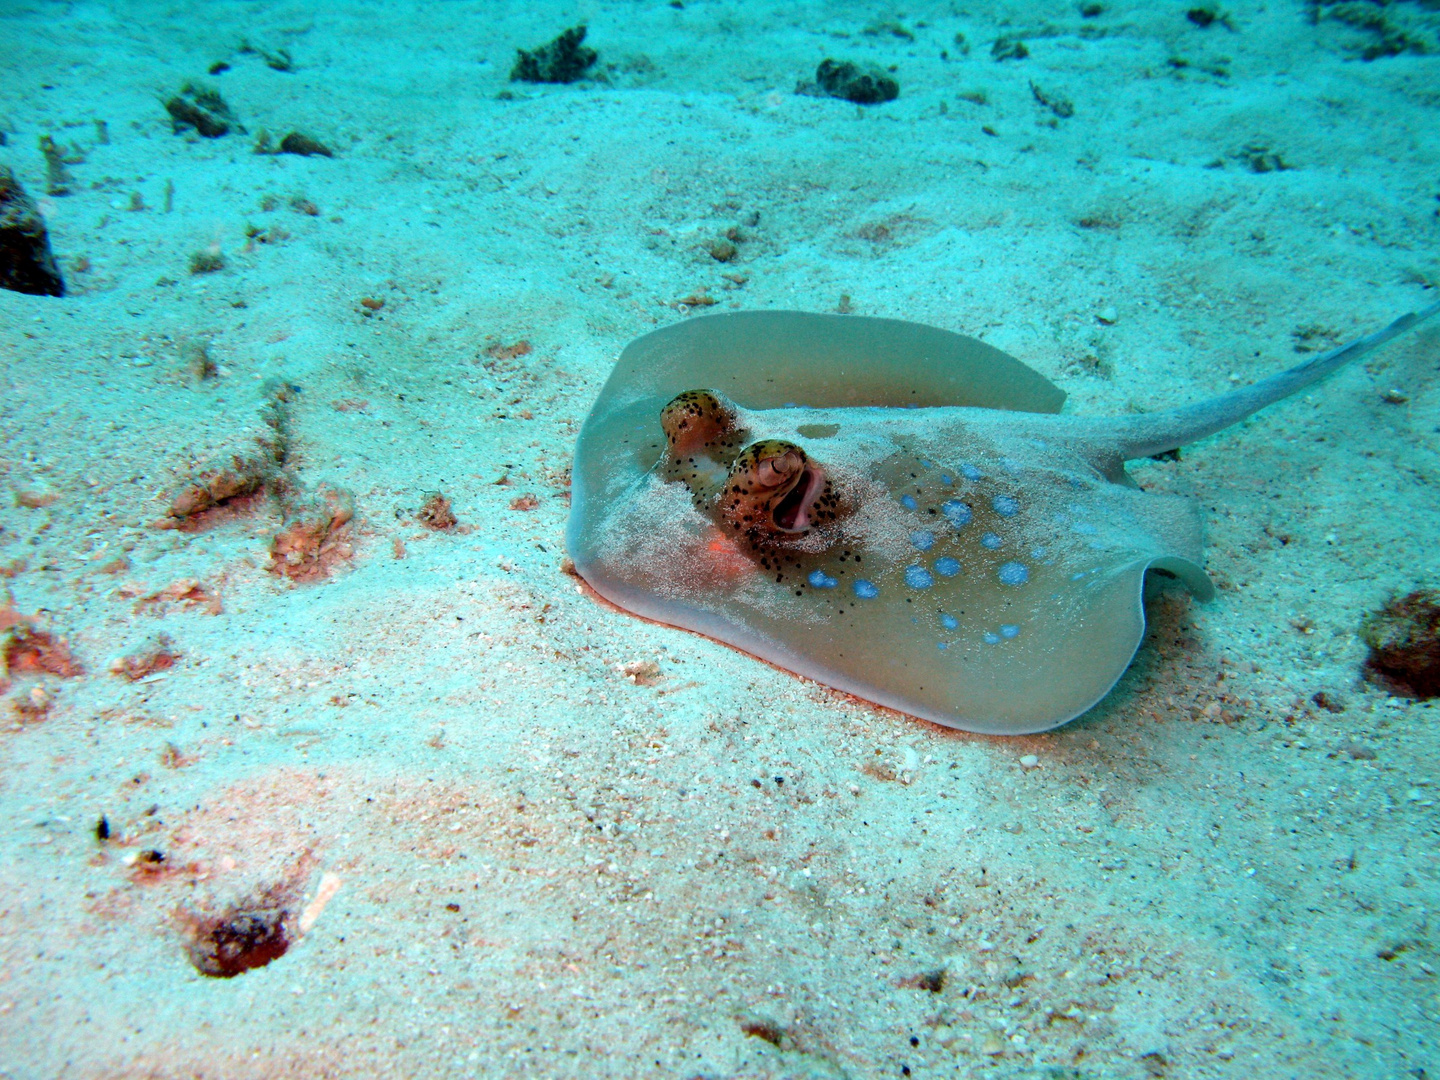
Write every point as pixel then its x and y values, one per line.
pixel 1155 433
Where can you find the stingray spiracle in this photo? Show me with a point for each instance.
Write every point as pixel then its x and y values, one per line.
pixel 774 489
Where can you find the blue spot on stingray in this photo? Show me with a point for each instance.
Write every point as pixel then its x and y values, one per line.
pixel 908 502
pixel 942 645
pixel 970 472
pixel 1084 528
pixel 991 541
pixel 1009 630
pixel 917 577
pixel 923 539
pixel 1078 577
pixel 927 464
pixel 865 590
pixel 949 622
pixel 957 513
pixel 1039 553
pixel 1006 505
pixel 991 639
pixel 821 580
pixel 1014 573
pixel 945 566
pixel 946 478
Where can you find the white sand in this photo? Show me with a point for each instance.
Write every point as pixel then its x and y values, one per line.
pixel 548 870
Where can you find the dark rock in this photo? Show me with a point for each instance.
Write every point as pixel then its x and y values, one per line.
pixel 238 941
pixel 304 145
pixel 564 60
pixel 1006 48
pixel 1060 106
pixel 1404 641
pixel 869 84
pixel 203 109
pixel 26 263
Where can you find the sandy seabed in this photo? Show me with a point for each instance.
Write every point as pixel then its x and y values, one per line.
pixel 426 777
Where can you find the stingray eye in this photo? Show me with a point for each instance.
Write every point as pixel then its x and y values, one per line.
pixel 779 469
pixel 697 419
pixel 772 490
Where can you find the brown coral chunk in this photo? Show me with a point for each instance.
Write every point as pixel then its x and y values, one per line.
pixel 933 980
pixel 436 513
pixel 34 652
pixel 243 938
pixel 160 656
pixel 1404 640
pixel 315 535
pixel 498 351
pixel 215 484
pixel 298 142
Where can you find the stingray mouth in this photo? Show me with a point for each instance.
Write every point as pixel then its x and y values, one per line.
pixel 792 513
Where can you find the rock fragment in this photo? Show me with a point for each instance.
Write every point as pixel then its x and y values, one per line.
pixel 1404 641
pixel 315 534
pixel 26 262
pixel 217 482
pixel 202 109
pixel 864 84
pixel 564 60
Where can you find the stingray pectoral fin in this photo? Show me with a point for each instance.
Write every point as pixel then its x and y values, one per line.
pixel 769 359
pixel 1193 576
pixel 1066 655
pixel 1091 642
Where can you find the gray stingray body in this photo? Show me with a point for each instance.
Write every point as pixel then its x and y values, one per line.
pixel 984 566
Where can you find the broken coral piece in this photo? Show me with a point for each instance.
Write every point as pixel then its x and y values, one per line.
pixel 244 937
pixel 864 84
pixel 26 263
pixel 437 514
pixel 1404 641
pixel 563 60
pixel 209 261
pixel 202 109
pixel 315 534
pixel 500 351
pixel 159 655
pixel 640 672
pixel 219 482
pixel 299 143
pixel 30 651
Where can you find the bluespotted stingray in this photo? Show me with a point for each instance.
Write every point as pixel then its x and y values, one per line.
pixel 891 509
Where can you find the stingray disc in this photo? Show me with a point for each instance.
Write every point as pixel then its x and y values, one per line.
pixel 884 507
